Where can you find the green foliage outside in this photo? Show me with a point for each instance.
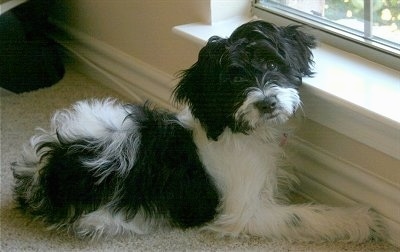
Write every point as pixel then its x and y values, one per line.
pixel 385 12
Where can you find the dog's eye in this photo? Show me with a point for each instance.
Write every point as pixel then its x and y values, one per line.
pixel 238 79
pixel 271 66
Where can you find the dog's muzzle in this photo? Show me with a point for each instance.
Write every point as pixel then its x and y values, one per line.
pixel 267 105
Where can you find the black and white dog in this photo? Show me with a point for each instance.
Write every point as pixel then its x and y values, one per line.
pixel 106 168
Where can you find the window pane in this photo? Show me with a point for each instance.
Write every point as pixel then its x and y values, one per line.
pixel 386 20
pixel 378 20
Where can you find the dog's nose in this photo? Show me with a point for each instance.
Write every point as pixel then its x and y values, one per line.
pixel 267 105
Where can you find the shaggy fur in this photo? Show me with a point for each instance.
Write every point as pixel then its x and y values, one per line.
pixel 106 168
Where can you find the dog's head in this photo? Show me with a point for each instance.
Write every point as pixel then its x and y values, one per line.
pixel 248 79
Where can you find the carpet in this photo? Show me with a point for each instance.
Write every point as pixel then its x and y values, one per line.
pixel 22 113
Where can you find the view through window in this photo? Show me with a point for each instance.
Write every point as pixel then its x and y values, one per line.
pixel 375 20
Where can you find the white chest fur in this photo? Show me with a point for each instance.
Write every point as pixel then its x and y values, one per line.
pixel 240 164
pixel 243 167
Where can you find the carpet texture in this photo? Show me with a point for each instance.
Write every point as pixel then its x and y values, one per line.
pixel 22 113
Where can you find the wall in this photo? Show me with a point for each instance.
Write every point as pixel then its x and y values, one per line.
pixel 141 29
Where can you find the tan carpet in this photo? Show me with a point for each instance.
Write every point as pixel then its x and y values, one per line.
pixel 20 114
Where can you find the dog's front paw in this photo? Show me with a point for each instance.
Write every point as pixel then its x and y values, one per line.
pixel 364 224
pixel 225 226
pixel 376 227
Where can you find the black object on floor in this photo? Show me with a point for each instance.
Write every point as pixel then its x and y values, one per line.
pixel 28 59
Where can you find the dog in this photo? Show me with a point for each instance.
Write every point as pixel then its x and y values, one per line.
pixel 106 168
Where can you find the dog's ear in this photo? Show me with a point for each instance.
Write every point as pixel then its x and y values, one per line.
pixel 201 89
pixel 193 81
pixel 298 49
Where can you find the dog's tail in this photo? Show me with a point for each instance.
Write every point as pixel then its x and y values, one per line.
pixel 69 170
pixel 29 189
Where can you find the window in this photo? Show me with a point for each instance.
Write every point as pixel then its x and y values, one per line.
pixel 372 27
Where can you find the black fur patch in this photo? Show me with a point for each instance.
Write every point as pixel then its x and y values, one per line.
pixel 168 178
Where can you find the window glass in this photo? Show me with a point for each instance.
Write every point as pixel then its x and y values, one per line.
pixel 375 20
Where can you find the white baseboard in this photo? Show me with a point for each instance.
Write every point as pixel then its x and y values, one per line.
pixel 325 178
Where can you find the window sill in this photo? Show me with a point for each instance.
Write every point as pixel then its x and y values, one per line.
pixel 348 94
